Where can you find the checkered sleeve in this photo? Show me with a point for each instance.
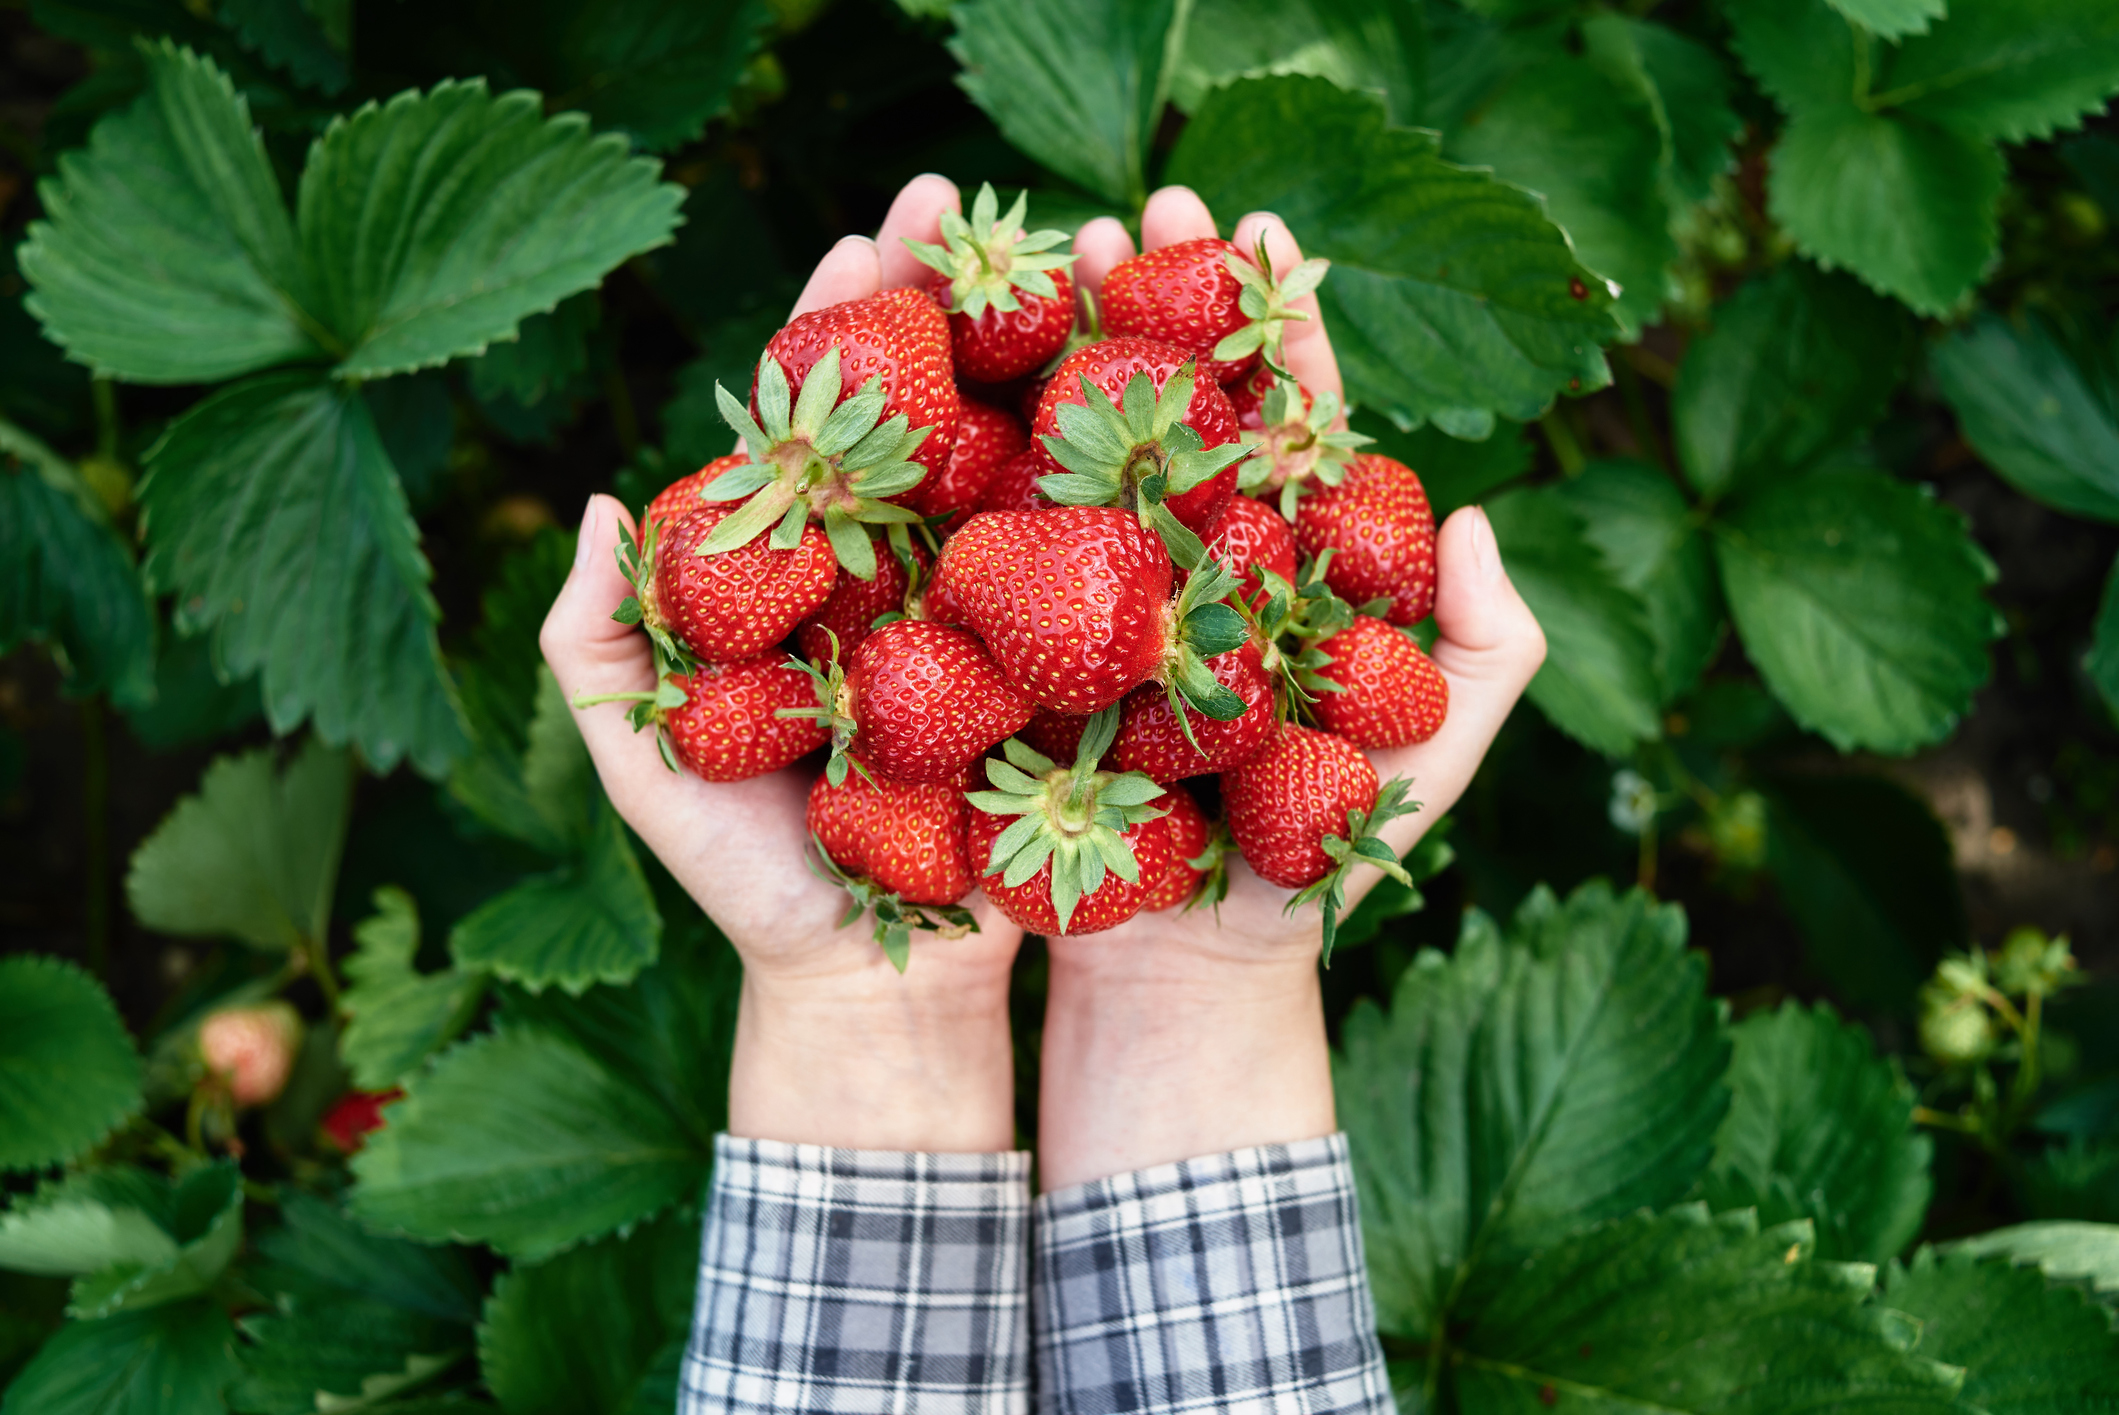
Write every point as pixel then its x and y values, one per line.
pixel 854 1282
pixel 1234 1284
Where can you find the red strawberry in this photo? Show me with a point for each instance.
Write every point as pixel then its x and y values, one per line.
pixel 1299 443
pixel 1056 734
pixel 1392 695
pixel 682 495
pixel 1100 456
pixel 918 701
pixel 251 1049
pixel 1029 905
pixel 1209 298
pixel 1010 303
pixel 735 604
pixel 1013 486
pixel 1251 534
pixel 1150 740
pixel 1306 810
pixel 355 1116
pixel 854 605
pixel 729 727
pixel 900 337
pixel 1190 834
pixel 1379 522
pixel 908 838
pixel 986 439
pixel 1247 396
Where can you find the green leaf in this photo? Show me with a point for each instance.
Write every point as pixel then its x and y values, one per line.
pixel 438 222
pixel 169 1360
pixel 1866 870
pixel 254 854
pixel 204 1214
pixel 1682 1311
pixel 656 71
pixel 272 511
pixel 1089 121
pixel 1647 533
pixel 1907 206
pixel 1860 598
pixel 511 700
pixel 2008 69
pixel 165 255
pixel 319 1255
pixel 549 352
pixel 342 1356
pixel 1889 19
pixel 1801 51
pixel 192 706
pixel 2027 1348
pixel 2064 1252
pixel 1451 298
pixel 398 1015
pixel 1592 146
pixel 68 1071
pixel 523 1140
pixel 584 1334
pixel 590 920
pixel 2046 421
pixel 84 1224
pixel 2102 661
pixel 1524 1087
pixel 1693 91
pixel 1821 1128
pixel 1376 46
pixel 1598 683
pixel 1798 364
pixel 67 578
pixel 291 36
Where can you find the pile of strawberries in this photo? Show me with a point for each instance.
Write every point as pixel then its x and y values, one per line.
pixel 1078 558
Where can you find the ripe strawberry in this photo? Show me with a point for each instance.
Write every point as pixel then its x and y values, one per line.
pixel 1191 836
pixel 1068 849
pixel 250 1050
pixel 355 1116
pixel 906 837
pixel 1209 298
pixel 1391 694
pixel 851 611
pixel 722 722
pixel 727 606
pixel 1383 530
pixel 1247 396
pixel 986 439
pixel 1150 740
pixel 900 337
pixel 1128 422
pixel 918 701
pixel 1298 446
pixel 1010 303
pixel 1288 805
pixel 682 495
pixel 1013 486
pixel 1251 534
pixel 1056 734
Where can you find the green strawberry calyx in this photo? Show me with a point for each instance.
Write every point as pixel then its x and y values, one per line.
pixel 815 458
pixel 1295 620
pixel 895 919
pixel 1135 454
pixel 1213 866
pixel 989 260
pixel 1073 816
pixel 1266 303
pixel 1198 625
pixel 834 709
pixel 1297 450
pixel 1363 844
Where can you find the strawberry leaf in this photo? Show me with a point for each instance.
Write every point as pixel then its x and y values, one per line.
pixel 2026 1343
pixel 68 1071
pixel 2044 418
pixel 174 1359
pixel 397 1015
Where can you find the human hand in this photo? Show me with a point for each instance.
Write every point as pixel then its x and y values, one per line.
pixel 1176 1035
pixel 833 1046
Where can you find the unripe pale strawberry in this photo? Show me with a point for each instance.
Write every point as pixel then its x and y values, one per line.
pixel 251 1049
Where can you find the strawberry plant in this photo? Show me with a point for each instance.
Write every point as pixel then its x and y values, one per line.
pixel 1740 1041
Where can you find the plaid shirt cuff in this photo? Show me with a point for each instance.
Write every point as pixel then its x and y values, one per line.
pixel 1234 1283
pixel 861 1283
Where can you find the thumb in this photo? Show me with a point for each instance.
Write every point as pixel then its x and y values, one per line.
pixel 592 654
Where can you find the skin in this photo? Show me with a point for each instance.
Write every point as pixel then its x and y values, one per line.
pixel 1171 1036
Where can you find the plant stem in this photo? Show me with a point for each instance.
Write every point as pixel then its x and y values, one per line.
pixel 1566 449
pixel 106 401
pixel 1943 1120
pixel 318 954
pixel 95 787
pixel 1637 418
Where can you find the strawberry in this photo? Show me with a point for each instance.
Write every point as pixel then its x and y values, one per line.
pixel 250 1050
pixel 724 721
pixel 1287 805
pixel 1013 486
pixel 1297 446
pixel 1056 734
pixel 682 495
pixel 721 607
pixel 1383 530
pixel 1209 298
pixel 1191 837
pixel 1251 535
pixel 851 611
pixel 355 1116
pixel 920 701
pixel 1151 740
pixel 1010 303
pixel 1074 604
pixel 899 850
pixel 845 460
pixel 1390 692
pixel 1247 396
pixel 1127 422
pixel 986 439
pixel 1067 849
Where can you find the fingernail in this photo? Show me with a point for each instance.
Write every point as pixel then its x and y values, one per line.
pixel 1485 553
pixel 587 534
pixel 868 241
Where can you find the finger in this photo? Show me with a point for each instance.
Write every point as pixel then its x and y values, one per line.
pixel 916 213
pixel 1307 347
pixel 1100 244
pixel 850 270
pixel 1175 214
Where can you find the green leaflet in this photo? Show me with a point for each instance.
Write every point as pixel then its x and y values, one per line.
pixel 317 1254
pixel 129 1239
pixel 2008 69
pixel 297 36
pixel 1888 19
pixel 169 1360
pixel 2102 661
pixel 1861 600
pixel 1358 45
pixel 1523 1087
pixel 2043 418
pixel 1452 296
pixel 1693 92
pixel 68 1071
pixel 2064 1252
pixel 1821 1128
pixel 398 1016
pixel 2028 1347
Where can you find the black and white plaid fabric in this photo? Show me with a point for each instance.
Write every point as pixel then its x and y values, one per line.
pixel 853 1282
pixel 1233 1284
